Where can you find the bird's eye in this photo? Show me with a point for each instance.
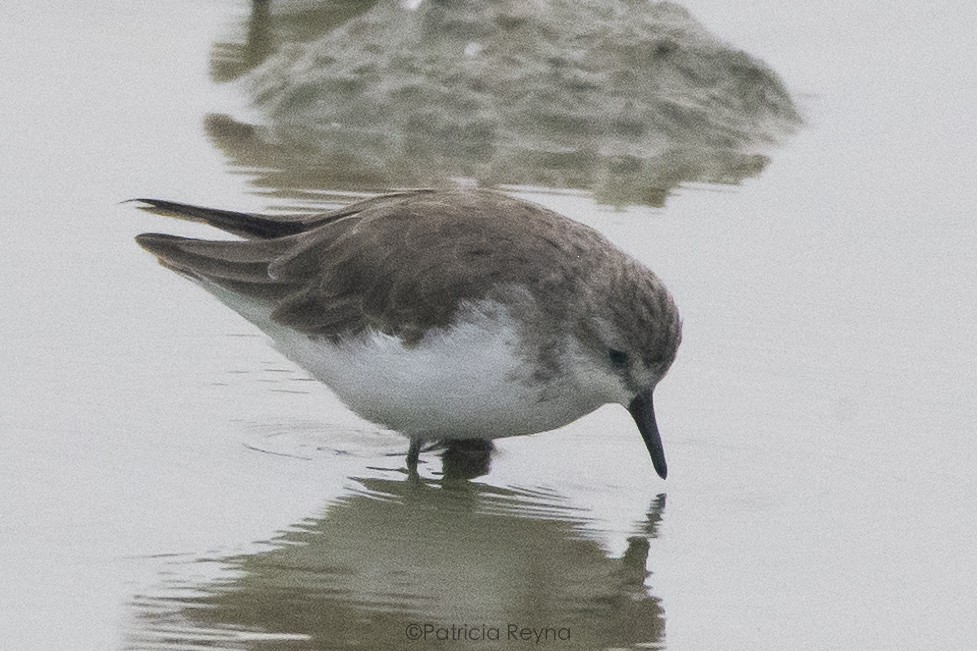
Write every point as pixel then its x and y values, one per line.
pixel 619 358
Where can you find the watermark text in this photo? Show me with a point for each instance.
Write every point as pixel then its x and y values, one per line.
pixel 509 632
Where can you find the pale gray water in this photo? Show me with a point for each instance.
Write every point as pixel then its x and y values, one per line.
pixel 819 421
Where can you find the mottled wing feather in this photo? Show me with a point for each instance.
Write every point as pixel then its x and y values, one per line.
pixel 237 260
pixel 405 265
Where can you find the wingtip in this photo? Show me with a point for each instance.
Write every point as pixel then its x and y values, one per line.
pixel 156 243
pixel 243 224
pixel 159 207
pixel 165 249
pixel 148 204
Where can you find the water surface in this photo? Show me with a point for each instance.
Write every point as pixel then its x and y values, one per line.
pixel 168 481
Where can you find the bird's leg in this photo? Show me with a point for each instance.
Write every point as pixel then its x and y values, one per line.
pixel 413 453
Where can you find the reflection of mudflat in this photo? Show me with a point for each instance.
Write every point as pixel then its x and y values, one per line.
pixel 264 33
pixel 626 99
pixel 402 552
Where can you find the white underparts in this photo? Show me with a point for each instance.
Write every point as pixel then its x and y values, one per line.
pixel 471 380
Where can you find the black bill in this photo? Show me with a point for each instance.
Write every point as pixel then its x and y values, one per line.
pixel 642 410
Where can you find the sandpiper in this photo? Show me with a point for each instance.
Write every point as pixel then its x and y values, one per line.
pixel 444 315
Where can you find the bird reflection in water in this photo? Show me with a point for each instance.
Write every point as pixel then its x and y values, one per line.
pixel 394 553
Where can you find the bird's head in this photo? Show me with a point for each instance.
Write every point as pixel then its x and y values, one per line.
pixel 628 338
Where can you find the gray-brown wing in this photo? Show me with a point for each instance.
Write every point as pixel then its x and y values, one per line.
pixel 405 266
pixel 243 266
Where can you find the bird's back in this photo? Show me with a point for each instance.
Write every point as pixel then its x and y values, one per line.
pixel 399 264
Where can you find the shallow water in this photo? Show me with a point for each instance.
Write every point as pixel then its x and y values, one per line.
pixel 168 481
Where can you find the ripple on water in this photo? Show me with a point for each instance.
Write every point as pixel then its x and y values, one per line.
pixel 389 553
pixel 311 440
